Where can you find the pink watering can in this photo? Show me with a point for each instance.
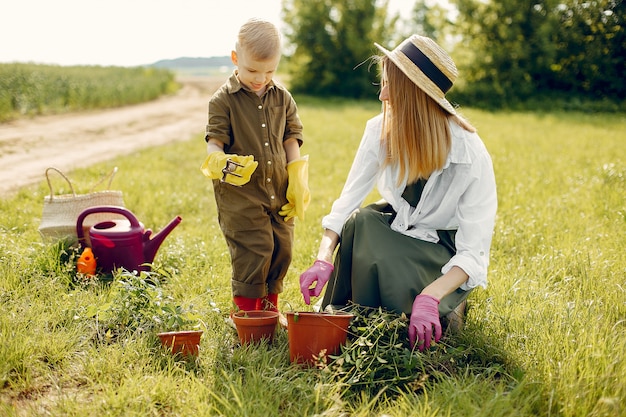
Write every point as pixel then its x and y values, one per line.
pixel 122 243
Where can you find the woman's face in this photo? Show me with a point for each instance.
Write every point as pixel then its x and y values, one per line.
pixel 384 87
pixel 384 93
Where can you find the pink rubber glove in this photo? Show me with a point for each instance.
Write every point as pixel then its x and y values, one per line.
pixel 424 316
pixel 318 273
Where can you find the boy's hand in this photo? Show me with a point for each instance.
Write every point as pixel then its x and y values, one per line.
pixel 233 169
pixel 298 194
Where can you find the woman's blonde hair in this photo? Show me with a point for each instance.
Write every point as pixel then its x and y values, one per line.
pixel 260 39
pixel 416 130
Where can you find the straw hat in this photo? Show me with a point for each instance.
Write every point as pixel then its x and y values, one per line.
pixel 427 65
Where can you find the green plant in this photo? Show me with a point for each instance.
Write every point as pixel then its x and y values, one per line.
pixel 378 362
pixel 377 356
pixel 140 304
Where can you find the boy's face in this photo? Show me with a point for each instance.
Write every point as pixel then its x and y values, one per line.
pixel 254 74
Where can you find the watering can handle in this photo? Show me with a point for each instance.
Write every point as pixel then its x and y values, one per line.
pixel 103 209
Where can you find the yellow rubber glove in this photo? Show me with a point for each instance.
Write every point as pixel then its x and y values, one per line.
pixel 298 194
pixel 238 173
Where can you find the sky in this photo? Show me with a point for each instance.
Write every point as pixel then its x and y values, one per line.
pixel 126 32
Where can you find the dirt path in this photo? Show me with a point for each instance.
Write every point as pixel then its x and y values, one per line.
pixel 69 141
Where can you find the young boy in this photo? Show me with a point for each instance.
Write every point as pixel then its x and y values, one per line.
pixel 260 181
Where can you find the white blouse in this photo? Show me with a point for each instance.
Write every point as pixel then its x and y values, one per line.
pixel 460 197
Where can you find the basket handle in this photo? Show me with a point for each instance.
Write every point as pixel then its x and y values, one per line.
pixel 109 176
pixel 50 184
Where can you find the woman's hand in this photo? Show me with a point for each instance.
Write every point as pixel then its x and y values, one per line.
pixel 319 274
pixel 424 316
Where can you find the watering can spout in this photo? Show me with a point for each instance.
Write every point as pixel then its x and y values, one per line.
pixel 151 246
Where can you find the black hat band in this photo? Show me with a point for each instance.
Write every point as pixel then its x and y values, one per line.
pixel 426 65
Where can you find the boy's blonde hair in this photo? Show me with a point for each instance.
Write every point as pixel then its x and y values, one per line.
pixel 416 131
pixel 260 39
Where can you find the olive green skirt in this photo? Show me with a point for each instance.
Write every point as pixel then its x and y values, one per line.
pixel 376 266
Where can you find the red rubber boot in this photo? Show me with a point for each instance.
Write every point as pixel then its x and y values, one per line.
pixel 245 303
pixel 269 302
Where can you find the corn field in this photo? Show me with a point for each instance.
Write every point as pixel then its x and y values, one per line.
pixel 33 89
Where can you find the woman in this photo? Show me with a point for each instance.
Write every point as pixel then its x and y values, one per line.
pixel 426 245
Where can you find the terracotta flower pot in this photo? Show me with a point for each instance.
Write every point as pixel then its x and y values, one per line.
pixel 311 333
pixel 253 326
pixel 184 342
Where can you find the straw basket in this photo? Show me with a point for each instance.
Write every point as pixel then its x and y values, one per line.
pixel 60 212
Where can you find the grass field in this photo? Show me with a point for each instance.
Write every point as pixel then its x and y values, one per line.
pixel 546 338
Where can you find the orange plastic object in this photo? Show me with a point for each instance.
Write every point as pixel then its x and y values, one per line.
pixel 86 264
pixel 254 325
pixel 310 333
pixel 185 342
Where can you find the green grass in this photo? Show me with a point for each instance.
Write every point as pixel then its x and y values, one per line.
pixel 546 338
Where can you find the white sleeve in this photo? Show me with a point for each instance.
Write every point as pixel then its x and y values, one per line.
pixel 476 215
pixel 361 178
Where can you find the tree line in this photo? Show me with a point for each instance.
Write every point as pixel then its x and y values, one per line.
pixel 510 53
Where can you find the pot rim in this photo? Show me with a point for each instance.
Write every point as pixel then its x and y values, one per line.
pixel 321 313
pixel 181 332
pixel 254 314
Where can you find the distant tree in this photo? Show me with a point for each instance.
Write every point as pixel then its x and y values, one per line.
pixel 513 50
pixel 505 44
pixel 329 43
pixel 591 56
pixel 430 20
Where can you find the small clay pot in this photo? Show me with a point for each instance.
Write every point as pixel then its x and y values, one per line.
pixel 183 342
pixel 311 333
pixel 255 325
